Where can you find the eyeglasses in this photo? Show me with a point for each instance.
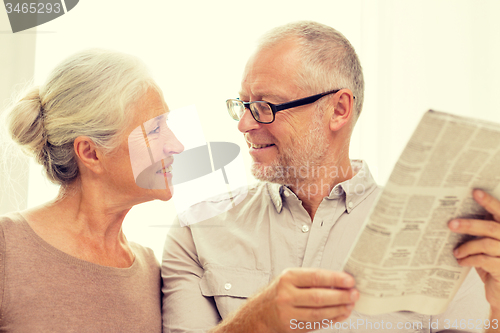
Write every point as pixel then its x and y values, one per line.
pixel 264 112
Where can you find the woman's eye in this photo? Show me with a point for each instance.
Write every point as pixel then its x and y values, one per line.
pixel 155 131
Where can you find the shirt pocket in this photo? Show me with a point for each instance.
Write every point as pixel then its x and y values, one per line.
pixel 231 286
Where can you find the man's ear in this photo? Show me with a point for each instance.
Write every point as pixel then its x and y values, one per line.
pixel 344 109
pixel 88 154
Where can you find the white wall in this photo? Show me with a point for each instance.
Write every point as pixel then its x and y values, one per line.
pixel 416 55
pixel 17 65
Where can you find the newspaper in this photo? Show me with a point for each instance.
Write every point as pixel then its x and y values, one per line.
pixel 402 259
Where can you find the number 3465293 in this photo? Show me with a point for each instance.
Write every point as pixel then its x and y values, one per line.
pixel 33 8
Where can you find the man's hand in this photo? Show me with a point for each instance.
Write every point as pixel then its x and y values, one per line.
pixel 482 253
pixel 309 295
pixel 297 296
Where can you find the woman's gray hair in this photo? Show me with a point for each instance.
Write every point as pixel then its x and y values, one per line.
pixel 329 60
pixel 88 94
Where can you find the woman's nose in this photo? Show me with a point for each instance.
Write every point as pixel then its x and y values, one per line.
pixel 172 144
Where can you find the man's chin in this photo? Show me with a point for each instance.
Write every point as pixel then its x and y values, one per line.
pixel 268 173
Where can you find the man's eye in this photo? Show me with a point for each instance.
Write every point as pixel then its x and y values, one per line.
pixel 155 131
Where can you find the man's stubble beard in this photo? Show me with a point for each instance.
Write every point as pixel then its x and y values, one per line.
pixel 299 160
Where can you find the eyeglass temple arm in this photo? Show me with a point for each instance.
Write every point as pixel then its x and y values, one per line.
pixel 302 101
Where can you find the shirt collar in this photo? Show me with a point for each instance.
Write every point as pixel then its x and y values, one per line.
pixel 275 191
pixel 354 190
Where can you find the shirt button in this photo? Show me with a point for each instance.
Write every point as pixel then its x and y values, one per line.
pixel 305 228
pixel 351 204
pixel 227 286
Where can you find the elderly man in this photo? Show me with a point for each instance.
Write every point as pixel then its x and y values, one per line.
pixel 273 262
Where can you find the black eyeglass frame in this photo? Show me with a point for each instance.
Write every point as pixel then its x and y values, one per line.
pixel 284 106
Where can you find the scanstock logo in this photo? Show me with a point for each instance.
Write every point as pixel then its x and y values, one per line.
pixel 26 14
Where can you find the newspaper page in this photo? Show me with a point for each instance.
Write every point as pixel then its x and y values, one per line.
pixel 402 259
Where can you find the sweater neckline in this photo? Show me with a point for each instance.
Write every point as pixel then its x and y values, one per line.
pixel 74 260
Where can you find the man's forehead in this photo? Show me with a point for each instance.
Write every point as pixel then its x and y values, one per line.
pixel 271 72
pixel 262 82
pixel 266 94
pixel 274 89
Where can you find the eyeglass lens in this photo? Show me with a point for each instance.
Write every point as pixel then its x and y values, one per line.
pixel 262 111
pixel 236 108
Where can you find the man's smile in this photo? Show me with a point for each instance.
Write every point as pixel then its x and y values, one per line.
pixel 257 146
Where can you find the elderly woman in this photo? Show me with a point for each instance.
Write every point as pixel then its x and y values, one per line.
pixel 66 266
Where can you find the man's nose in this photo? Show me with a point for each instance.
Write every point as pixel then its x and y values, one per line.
pixel 247 122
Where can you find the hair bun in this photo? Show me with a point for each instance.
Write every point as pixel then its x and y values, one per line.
pixel 25 122
pixel 90 93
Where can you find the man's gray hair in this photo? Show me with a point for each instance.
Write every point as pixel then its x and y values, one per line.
pixel 329 60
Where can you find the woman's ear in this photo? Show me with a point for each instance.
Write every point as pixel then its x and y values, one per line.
pixel 88 154
pixel 343 109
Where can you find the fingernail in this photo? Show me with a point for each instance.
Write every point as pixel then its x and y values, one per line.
pixel 354 295
pixel 479 194
pixel 454 224
pixel 350 307
pixel 456 252
pixel 347 282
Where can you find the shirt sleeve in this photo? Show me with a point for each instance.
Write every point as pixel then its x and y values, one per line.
pixel 184 308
